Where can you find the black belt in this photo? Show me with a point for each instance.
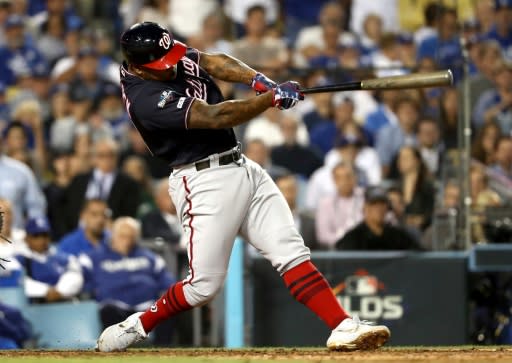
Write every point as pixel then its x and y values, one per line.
pixel 232 157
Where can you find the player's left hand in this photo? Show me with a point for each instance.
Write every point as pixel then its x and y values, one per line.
pixel 261 83
pixel 287 95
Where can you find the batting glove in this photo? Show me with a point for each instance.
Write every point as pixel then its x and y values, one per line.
pixel 261 83
pixel 286 95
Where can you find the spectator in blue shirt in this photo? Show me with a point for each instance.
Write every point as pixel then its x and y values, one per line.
pixel 17 57
pixel 49 275
pixel 384 115
pixel 91 233
pixel 495 104
pixel 391 138
pixel 502 29
pixel 19 186
pixel 124 277
pixel 444 47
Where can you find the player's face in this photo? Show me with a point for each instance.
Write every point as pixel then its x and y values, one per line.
pixel 157 75
pixel 123 239
pixel 38 242
pixel 95 218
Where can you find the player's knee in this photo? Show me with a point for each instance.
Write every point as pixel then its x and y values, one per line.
pixel 204 290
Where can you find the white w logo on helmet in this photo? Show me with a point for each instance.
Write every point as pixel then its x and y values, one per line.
pixel 165 41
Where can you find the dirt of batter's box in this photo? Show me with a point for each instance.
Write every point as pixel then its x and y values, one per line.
pixel 443 355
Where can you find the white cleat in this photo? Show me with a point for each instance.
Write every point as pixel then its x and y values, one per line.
pixel 120 336
pixel 353 334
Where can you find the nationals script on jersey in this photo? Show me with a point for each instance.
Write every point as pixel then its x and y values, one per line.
pixel 159 110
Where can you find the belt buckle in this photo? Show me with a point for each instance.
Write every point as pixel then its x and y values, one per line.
pixel 236 154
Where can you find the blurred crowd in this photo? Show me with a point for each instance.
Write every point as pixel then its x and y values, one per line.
pixel 360 170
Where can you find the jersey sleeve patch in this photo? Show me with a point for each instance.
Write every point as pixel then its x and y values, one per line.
pixel 159 109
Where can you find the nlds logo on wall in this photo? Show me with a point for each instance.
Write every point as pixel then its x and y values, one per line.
pixel 364 295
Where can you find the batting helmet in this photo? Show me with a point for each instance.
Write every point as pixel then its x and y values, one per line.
pixel 150 45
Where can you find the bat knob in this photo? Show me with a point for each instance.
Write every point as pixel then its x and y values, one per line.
pixel 449 76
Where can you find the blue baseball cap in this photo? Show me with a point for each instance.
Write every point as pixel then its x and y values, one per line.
pixel 14 20
pixel 499 4
pixel 37 225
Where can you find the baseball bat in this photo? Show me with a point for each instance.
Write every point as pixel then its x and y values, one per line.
pixel 413 80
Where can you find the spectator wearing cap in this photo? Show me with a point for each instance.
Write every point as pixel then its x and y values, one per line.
pixel 50 276
pixel 312 41
pixel 324 135
pixel 502 29
pixel 291 154
pixel 444 47
pixel 104 182
pixel 19 186
pixel 374 232
pixel 350 150
pixel 18 56
pixel 495 104
pixel 340 212
pixel 392 137
pixel 407 49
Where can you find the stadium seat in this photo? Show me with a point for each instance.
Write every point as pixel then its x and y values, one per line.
pixel 11 288
pixel 65 325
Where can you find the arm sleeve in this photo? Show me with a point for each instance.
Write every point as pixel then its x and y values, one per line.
pixel 71 281
pixel 34 288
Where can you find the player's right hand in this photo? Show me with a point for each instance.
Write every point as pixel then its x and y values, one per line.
pixel 286 95
pixel 261 83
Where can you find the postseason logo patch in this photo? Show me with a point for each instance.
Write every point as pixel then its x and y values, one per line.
pixel 165 97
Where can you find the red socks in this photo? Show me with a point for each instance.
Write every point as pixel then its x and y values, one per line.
pixel 170 304
pixel 309 287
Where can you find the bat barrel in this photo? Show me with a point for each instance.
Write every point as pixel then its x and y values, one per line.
pixel 415 80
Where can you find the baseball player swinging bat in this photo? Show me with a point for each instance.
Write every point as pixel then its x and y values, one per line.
pixel 414 80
